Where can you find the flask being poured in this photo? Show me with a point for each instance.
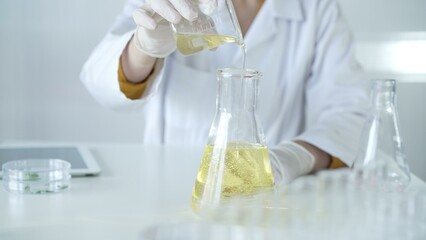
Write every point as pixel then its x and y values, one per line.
pixel 215 25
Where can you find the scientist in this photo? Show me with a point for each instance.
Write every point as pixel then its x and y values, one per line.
pixel 313 96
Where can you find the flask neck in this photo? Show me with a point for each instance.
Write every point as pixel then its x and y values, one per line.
pixel 236 118
pixel 384 94
pixel 237 91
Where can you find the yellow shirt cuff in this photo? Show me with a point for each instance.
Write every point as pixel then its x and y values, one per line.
pixel 336 163
pixel 131 90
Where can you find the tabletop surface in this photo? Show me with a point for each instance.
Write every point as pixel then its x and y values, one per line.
pixel 139 186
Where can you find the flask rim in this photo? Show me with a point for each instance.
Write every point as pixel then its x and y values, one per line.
pixel 385 82
pixel 239 72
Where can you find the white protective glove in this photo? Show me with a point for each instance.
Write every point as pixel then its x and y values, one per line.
pixel 290 160
pixel 154 35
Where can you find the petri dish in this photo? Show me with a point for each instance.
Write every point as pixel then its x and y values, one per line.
pixel 36 176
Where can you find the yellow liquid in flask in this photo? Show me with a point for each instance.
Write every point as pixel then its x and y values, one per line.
pixel 189 44
pixel 241 169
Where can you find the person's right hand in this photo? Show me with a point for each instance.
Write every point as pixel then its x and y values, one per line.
pixel 154 35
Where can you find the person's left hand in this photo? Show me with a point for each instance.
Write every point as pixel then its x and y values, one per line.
pixel 290 160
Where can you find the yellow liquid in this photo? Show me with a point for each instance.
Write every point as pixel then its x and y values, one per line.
pixel 189 44
pixel 241 169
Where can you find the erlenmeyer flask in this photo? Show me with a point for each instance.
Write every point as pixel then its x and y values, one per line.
pixel 216 24
pixel 381 161
pixel 235 160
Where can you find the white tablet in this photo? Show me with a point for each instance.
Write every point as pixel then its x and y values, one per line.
pixel 81 160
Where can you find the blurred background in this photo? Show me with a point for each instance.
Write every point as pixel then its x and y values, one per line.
pixel 44 43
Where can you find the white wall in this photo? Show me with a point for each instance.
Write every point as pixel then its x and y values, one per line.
pixel 391 43
pixel 385 15
pixel 44 43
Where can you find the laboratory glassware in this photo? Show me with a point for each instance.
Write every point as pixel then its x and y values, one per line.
pixel 380 162
pixel 327 205
pixel 235 160
pixel 36 176
pixel 213 27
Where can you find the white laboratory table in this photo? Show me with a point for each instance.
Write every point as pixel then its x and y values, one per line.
pixel 139 186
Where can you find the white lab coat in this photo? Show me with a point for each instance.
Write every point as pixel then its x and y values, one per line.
pixel 312 89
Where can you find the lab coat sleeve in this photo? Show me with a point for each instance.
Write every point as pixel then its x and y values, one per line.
pixel 100 72
pixel 336 90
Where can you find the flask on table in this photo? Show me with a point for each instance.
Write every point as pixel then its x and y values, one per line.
pixel 235 160
pixel 381 161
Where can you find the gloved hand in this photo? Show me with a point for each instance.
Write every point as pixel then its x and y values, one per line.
pixel 290 160
pixel 154 35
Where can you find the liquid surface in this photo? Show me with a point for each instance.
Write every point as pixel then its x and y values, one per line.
pixel 189 44
pixel 241 169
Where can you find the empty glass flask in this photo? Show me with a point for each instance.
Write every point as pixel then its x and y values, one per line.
pixel 381 161
pixel 235 160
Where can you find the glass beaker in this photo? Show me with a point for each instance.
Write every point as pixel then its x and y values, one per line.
pixel 213 27
pixel 380 162
pixel 235 160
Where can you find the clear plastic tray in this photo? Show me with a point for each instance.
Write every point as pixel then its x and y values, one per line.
pixel 36 176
